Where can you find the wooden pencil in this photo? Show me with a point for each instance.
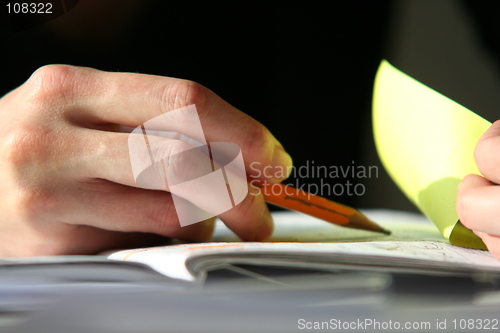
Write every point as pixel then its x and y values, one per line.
pixel 291 198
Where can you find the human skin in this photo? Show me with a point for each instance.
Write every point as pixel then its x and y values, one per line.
pixel 66 183
pixel 478 200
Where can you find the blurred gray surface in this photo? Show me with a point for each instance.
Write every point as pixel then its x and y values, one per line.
pixel 234 302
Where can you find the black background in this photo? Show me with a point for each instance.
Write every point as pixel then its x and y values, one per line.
pixel 303 69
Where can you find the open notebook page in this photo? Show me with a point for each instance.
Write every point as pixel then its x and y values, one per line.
pixel 414 246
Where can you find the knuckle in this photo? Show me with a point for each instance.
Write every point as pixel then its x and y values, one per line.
pixel 27 160
pixel 256 139
pixel 27 144
pixel 50 85
pixel 183 93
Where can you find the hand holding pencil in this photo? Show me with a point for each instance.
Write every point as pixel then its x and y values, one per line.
pixel 84 198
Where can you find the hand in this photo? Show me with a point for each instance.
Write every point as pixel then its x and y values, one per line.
pixel 66 182
pixel 478 202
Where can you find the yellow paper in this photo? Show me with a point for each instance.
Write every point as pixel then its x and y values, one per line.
pixel 426 143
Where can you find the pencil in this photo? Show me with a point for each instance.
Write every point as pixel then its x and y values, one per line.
pixel 304 202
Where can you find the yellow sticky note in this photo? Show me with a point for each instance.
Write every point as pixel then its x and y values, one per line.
pixel 426 143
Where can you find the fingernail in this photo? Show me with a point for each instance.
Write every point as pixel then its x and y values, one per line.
pixel 282 163
pixel 266 227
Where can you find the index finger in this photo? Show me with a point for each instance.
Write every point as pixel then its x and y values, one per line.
pixel 132 99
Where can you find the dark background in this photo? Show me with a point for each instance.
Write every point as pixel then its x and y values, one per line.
pixel 303 69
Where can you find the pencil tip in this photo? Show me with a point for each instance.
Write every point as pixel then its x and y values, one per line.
pixel 386 232
pixel 360 221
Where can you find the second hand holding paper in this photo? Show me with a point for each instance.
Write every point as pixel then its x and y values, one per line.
pixel 426 143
